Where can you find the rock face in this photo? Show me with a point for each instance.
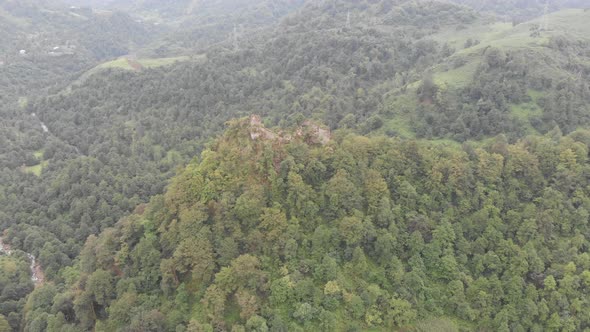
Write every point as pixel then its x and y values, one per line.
pixel 317 133
pixel 4 248
pixel 257 129
pixel 309 131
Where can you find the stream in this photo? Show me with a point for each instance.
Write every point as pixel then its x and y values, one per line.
pixel 43 126
pixel 37 276
pixel 46 130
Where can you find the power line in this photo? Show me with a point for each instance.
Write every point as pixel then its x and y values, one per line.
pixel 348 19
pixel 546 17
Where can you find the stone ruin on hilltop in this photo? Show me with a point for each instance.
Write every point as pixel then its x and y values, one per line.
pixel 310 132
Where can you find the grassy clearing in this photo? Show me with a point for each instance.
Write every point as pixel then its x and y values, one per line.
pixel 399 109
pixel 37 169
pixel 524 112
pixel 123 63
pixel 152 63
pixel 573 22
pixel 481 31
pixel 120 63
pixel 457 78
pixel 23 102
pixel 401 126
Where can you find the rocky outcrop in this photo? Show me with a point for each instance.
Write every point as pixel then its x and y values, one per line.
pixel 310 132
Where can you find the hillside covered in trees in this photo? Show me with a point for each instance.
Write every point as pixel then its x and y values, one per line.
pixel 426 165
pixel 298 231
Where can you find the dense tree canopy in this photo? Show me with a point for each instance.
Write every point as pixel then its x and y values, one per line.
pixel 493 236
pixel 295 230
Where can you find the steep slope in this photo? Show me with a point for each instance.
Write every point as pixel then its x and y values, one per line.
pixel 297 230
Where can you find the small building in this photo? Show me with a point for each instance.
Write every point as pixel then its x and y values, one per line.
pixel 22 52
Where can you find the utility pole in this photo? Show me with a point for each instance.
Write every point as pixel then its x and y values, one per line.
pixel 348 20
pixel 236 46
pixel 546 17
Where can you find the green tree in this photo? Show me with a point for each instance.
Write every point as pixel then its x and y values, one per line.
pixel 4 326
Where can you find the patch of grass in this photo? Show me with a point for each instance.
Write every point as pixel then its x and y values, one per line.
pixel 524 112
pixel 535 95
pixel 401 126
pixel 152 63
pixel 23 102
pixel 120 63
pixel 398 110
pixel 37 169
pixel 459 77
pixel 123 63
pixel 480 31
pixel 573 22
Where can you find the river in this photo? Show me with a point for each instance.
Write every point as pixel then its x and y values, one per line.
pixel 43 126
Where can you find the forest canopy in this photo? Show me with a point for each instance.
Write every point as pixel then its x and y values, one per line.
pixel 294 165
pixel 287 231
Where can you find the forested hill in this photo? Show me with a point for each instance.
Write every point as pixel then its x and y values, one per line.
pixel 299 230
pixel 485 121
pixel 198 24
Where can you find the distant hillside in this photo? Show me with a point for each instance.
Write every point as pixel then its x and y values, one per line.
pixel 40 44
pixel 510 79
pixel 522 10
